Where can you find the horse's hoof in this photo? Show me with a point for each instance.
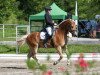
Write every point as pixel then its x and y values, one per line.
pixel 68 62
pixel 55 63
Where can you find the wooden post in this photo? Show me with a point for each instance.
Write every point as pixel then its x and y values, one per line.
pixel 3 31
pixel 16 42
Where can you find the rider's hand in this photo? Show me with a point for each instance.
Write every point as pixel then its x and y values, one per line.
pixel 55 24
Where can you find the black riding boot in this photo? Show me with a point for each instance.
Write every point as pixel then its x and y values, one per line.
pixel 46 40
pixel 45 43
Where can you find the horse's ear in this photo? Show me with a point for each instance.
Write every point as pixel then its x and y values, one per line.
pixel 70 19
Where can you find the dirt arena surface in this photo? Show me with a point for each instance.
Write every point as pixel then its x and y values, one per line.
pixel 19 67
pixel 14 67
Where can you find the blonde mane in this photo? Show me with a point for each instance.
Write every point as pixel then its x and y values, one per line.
pixel 64 21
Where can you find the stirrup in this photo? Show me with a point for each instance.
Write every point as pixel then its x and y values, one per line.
pixel 45 45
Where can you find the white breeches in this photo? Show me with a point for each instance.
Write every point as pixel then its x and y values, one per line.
pixel 49 30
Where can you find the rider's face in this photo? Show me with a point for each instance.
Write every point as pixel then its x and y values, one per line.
pixel 49 11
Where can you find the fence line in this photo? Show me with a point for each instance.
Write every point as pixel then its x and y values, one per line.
pixel 12 32
pixel 17 34
pixel 5 28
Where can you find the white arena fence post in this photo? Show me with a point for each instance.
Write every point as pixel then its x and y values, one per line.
pixel 20 34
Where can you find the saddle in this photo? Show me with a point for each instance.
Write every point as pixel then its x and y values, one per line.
pixel 44 36
pixel 44 32
pixel 49 43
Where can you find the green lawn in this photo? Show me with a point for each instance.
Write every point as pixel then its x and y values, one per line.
pixel 72 49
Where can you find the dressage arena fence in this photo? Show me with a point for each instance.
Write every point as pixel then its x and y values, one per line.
pixel 10 33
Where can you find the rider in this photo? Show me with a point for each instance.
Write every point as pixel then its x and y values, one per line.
pixel 49 25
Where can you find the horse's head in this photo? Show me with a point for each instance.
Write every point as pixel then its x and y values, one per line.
pixel 68 26
pixel 72 27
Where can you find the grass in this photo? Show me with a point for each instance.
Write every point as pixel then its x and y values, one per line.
pixel 7 49
pixel 84 48
pixel 72 49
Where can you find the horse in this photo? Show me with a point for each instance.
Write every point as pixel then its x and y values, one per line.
pixel 59 39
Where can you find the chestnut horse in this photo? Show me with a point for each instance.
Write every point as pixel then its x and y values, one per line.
pixel 59 39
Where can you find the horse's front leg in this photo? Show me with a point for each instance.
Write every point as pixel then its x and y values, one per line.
pixel 59 49
pixel 68 55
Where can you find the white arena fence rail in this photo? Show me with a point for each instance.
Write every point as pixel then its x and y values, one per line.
pixel 7 31
pixel 20 33
pixel 10 33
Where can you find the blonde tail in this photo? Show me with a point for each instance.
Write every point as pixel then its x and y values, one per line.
pixel 22 40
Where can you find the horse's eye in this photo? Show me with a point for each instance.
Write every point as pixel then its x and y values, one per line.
pixel 71 26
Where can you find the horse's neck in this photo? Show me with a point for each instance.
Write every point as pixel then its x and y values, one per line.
pixel 61 36
pixel 62 33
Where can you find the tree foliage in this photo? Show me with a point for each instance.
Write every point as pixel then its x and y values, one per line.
pixel 88 8
pixel 18 11
pixel 8 9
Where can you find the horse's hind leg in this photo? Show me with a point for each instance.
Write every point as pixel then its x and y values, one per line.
pixel 29 53
pixel 59 49
pixel 33 52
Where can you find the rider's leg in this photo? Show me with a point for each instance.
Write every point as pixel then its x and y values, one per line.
pixel 48 36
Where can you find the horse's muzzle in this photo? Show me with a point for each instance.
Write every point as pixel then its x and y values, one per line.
pixel 74 33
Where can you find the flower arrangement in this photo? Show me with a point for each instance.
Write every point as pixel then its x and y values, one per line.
pixel 81 63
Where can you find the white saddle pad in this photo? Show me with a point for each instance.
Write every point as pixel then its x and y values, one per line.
pixel 42 35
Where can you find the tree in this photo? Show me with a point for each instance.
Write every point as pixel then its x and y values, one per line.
pixel 88 8
pixel 8 8
pixel 17 11
pixel 30 7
